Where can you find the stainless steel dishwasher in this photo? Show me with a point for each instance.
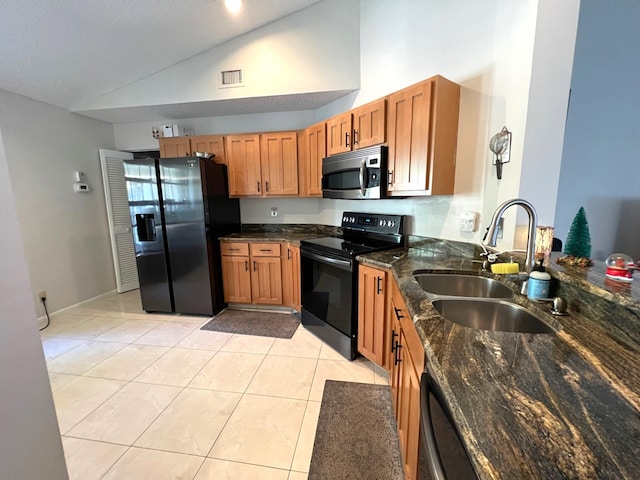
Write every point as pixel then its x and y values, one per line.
pixel 442 455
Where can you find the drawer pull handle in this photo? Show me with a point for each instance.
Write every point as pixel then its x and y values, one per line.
pixel 265 249
pixel 234 249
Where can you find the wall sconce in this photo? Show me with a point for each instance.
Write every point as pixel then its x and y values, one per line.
pixel 544 242
pixel 500 145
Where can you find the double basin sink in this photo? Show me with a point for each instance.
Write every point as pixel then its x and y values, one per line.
pixel 478 302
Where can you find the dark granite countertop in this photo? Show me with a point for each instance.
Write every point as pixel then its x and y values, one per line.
pixel 564 405
pixel 281 233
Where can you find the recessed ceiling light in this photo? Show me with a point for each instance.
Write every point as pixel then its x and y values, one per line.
pixel 233 5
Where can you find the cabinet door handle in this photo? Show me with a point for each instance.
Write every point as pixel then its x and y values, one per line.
pixel 258 183
pixel 397 312
pixel 266 185
pixel 393 340
pixel 379 286
pixel 396 357
pixel 254 265
pixel 288 254
pixel 390 177
pixel 246 265
pixel 346 139
pixel 355 136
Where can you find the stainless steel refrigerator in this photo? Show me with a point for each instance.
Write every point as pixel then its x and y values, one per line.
pixel 179 208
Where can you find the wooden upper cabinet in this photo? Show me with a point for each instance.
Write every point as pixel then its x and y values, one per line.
pixel 243 162
pixel 339 134
pixel 422 133
pixel 279 160
pixel 369 122
pixel 172 147
pixel 209 144
pixel 312 148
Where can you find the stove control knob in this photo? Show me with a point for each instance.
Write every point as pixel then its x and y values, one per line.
pixel 353 219
pixel 383 223
pixel 392 223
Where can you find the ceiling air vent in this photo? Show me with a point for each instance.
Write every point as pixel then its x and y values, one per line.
pixel 231 78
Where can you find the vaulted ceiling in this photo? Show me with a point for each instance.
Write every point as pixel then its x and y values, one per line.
pixel 70 52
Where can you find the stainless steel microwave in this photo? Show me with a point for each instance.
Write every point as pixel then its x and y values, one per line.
pixel 357 175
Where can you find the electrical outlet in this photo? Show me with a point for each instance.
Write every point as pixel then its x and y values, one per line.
pixel 155 132
pixel 274 211
pixel 467 221
pixel 42 294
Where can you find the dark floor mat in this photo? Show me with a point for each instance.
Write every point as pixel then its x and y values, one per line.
pixel 248 322
pixel 356 438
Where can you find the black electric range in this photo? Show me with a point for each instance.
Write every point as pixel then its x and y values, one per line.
pixel 329 273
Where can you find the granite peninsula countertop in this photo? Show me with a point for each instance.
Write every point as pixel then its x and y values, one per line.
pixel 564 405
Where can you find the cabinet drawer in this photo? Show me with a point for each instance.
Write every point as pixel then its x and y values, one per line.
pixel 234 248
pixel 265 249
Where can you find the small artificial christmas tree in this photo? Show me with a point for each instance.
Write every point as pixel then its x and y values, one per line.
pixel 578 245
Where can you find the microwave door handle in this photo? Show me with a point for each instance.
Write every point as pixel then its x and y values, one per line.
pixel 363 167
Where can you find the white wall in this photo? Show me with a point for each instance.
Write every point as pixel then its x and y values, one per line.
pixel 30 445
pixel 313 50
pixel 600 165
pixel 65 234
pixel 488 48
pixel 136 136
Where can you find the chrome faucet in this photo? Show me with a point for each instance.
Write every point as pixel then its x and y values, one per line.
pixel 492 231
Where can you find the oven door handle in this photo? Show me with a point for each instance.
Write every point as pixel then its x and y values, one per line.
pixel 363 167
pixel 343 264
pixel 433 457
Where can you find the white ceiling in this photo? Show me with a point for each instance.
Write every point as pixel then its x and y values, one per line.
pixel 66 52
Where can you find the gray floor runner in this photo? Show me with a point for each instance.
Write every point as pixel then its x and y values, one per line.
pixel 248 322
pixel 356 436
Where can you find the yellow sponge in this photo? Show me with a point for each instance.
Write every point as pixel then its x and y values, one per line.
pixel 505 268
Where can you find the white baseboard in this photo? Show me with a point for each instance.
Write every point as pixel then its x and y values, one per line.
pixel 42 320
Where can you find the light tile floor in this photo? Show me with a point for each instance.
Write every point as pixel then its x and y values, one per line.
pixel 144 396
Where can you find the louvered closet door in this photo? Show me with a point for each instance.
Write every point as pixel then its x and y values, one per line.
pixel 115 192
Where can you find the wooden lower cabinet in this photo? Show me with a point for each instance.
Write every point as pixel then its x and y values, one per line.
pixel 236 279
pixel 372 325
pixel 291 276
pixel 266 280
pixel 407 364
pixel 265 273
pixel 408 417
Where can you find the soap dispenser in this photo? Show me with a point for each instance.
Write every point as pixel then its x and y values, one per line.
pixel 539 282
